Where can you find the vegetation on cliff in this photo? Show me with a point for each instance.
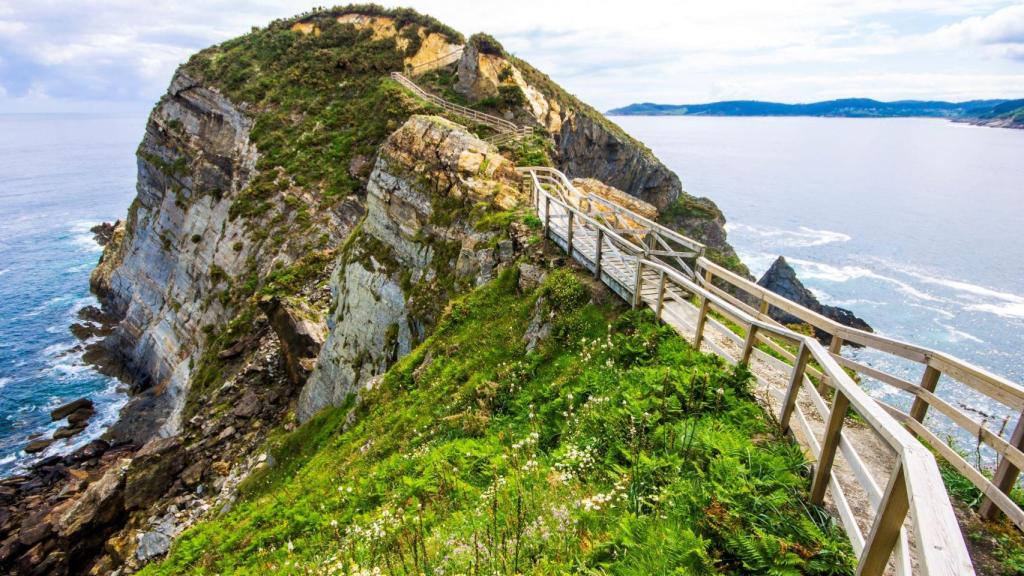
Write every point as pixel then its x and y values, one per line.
pixel 612 447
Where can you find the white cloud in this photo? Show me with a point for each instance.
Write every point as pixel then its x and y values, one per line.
pixel 609 52
pixel 1004 26
pixel 11 27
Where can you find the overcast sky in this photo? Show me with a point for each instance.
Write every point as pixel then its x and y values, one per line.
pixel 78 55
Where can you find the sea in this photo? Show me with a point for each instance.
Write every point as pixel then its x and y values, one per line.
pixel 915 225
pixel 59 176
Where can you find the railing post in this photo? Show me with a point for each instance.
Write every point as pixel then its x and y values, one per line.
pixel 829 444
pixel 763 308
pixel 597 256
pixel 568 236
pixel 639 285
pixel 748 344
pixel 547 216
pixel 702 317
pixel 1006 473
pixel 885 532
pixel 661 295
pixel 795 382
pixel 834 347
pixel 929 380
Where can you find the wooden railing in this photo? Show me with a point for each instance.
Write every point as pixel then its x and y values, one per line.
pixel 654 241
pixel 921 395
pixel 506 130
pixel 911 484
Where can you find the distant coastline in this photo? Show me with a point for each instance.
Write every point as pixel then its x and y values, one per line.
pixel 998 113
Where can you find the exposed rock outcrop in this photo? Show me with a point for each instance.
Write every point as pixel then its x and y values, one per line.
pixel 416 248
pixel 781 278
pixel 301 331
pixel 195 153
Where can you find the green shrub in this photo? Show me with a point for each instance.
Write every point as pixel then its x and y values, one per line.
pixel 486 44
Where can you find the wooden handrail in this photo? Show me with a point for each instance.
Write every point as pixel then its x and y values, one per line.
pixel 934 365
pixel 506 130
pixel 649 228
pixel 914 485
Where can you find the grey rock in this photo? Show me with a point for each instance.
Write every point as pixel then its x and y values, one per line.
pixel 71 407
pixel 781 279
pixel 152 471
pixel 539 328
pixel 151 545
pixel 530 277
pixel 301 331
pixel 386 290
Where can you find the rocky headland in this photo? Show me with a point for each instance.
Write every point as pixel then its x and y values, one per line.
pixel 301 224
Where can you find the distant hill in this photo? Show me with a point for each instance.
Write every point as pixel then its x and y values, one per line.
pixel 980 111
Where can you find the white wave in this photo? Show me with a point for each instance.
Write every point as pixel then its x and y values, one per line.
pixel 1010 310
pixel 4 382
pixel 57 350
pixel 1004 304
pixel 86 242
pixel 940 311
pixel 956 335
pixel 809 269
pixel 802 237
pixel 4 271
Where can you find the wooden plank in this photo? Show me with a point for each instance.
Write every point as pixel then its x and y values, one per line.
pixel 847 517
pixel 886 528
pixel 991 492
pixel 748 344
pixel 795 381
pixel 661 296
pixel 1006 472
pixel 928 382
pixel 702 317
pixel 1001 389
pixel 829 444
pixel 883 377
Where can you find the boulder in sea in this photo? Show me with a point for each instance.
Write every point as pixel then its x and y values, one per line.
pixel 66 410
pixel 39 445
pixel 781 279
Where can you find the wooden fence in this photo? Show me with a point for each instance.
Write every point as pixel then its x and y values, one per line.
pixel 934 368
pixel 912 486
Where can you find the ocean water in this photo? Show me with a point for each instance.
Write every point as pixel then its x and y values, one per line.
pixel 916 225
pixel 59 176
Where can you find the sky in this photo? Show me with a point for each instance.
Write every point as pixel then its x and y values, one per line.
pixel 114 55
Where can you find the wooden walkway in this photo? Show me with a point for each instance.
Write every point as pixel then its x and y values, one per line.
pixel 881 482
pixel 505 131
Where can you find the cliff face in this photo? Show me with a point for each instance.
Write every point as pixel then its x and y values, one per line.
pixel 180 245
pixel 586 144
pixel 417 246
pixel 588 149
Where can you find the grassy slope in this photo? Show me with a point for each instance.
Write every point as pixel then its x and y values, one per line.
pixel 613 448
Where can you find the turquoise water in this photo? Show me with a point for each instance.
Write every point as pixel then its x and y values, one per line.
pixel 59 175
pixel 916 225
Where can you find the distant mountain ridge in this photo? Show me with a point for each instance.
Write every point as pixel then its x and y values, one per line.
pixel 993 112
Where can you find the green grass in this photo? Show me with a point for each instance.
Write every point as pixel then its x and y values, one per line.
pixel 613 448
